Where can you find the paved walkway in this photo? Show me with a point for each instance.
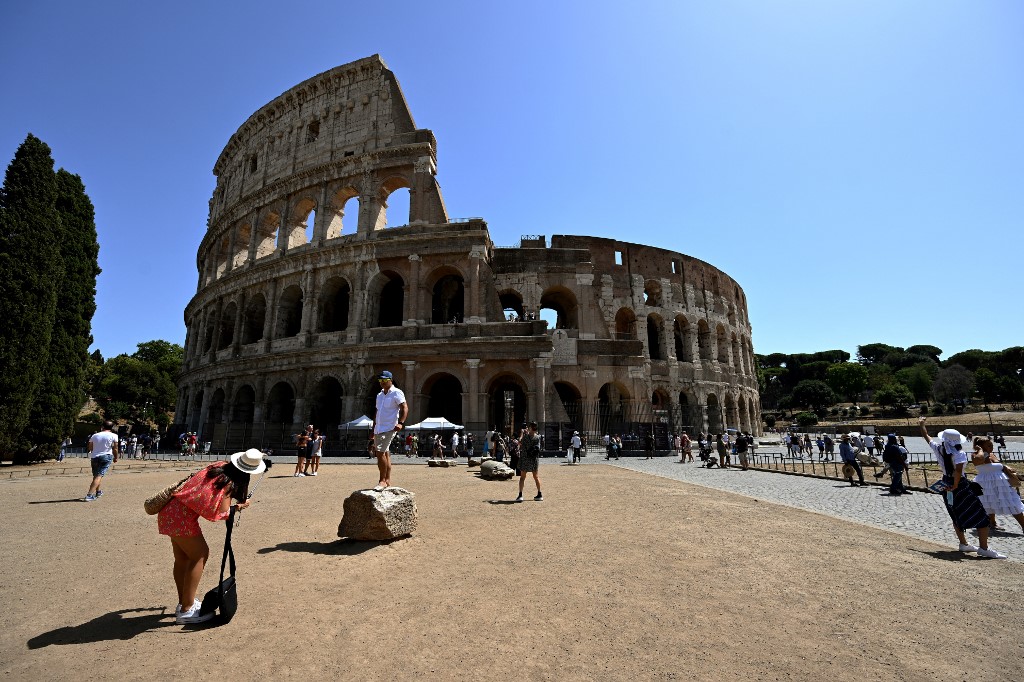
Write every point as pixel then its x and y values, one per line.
pixel 920 515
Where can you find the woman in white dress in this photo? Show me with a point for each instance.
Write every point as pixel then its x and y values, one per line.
pixel 998 498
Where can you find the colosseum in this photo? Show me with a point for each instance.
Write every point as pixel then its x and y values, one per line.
pixel 305 293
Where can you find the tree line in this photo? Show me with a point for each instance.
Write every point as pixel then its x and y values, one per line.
pixel 890 376
pixel 48 270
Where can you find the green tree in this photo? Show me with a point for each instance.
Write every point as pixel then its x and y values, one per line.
pixel 813 394
pixel 165 356
pixel 918 379
pixel 62 389
pixel 953 383
pixel 30 268
pixel 1011 389
pixel 987 384
pixel 133 383
pixel 930 352
pixel 894 395
pixel 847 379
pixel 873 353
pixel 972 360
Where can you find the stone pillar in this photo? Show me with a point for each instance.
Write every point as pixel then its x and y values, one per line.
pixel 323 218
pixel 309 305
pixel 538 409
pixel 669 335
pixel 236 341
pixel 230 264
pixel 423 180
pixel 204 413
pixel 476 254
pixel 253 236
pixel 415 290
pixel 216 329
pixel 283 236
pixel 301 413
pixel 409 385
pixel 271 317
pixel 189 334
pixel 474 389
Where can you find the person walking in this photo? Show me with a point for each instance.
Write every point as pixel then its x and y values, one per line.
pixel 103 453
pixel 849 457
pixel 649 446
pixel 741 450
pixel 576 445
pixel 529 460
pixel 685 447
pixel 723 451
pixel 896 460
pixel 388 420
pixel 961 500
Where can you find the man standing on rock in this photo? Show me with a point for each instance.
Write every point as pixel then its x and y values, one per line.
pixel 388 420
pixel 103 452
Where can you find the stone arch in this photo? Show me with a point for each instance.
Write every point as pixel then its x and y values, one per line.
pixel 714 414
pixel 737 356
pixel 244 405
pixel 387 299
pixel 563 301
pixel 722 345
pixel 690 414
pixel 335 297
pixel 511 302
pixel 447 295
pixel 652 293
pixel 254 319
pixel 227 325
pixel 732 416
pixel 344 202
pixel 571 402
pixel 326 404
pixel 704 340
pixel 281 404
pixel 732 315
pixel 209 333
pixel 613 408
pixel 660 399
pixel 215 413
pixel 744 420
pixel 195 414
pixel 754 416
pixel 681 332
pixel 223 255
pixel 300 226
pixel 443 393
pixel 395 196
pixel 289 312
pixel 716 291
pixel 507 411
pixel 266 234
pixel 625 324
pixel 243 234
pixel 655 325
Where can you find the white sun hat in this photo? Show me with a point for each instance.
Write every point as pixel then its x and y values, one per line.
pixel 250 461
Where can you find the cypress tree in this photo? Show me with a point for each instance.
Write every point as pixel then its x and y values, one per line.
pixel 30 268
pixel 62 388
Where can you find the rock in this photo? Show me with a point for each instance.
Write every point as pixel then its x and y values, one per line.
pixel 384 515
pixel 440 462
pixel 496 471
pixel 474 462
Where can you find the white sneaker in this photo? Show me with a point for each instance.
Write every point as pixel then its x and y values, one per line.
pixel 299 475
pixel 313 474
pixel 192 616
pixel 968 548
pixel 990 554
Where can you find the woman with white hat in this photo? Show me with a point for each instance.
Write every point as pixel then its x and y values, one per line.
pixel 962 503
pixel 209 493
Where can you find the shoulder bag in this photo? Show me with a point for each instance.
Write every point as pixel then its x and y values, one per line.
pixel 154 504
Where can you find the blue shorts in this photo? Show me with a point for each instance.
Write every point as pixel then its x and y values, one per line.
pixel 101 464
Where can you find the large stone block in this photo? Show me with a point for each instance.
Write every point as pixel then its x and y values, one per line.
pixel 383 515
pixel 496 471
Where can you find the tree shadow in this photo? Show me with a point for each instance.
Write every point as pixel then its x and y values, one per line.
pixel 342 547
pixel 73 499
pixel 109 626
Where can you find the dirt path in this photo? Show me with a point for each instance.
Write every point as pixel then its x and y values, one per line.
pixel 616 575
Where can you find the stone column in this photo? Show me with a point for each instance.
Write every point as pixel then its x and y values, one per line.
pixel 230 264
pixel 236 341
pixel 204 413
pixel 323 218
pixel 253 236
pixel 474 389
pixel 259 399
pixel 476 254
pixel 271 317
pixel 413 316
pixel 216 329
pixel 309 305
pixel 423 180
pixel 409 387
pixel 283 236
pixel 669 335
pixel 301 413
pixel 538 409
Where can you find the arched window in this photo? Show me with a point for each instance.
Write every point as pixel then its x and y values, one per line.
pixel 704 340
pixel 563 303
pixel 444 397
pixel 447 301
pixel 723 345
pixel 737 357
pixel 243 234
pixel 654 348
pixel 714 414
pixel 511 305
pixel 245 405
pixel 388 295
pixel 215 415
pixel 507 402
pixel 613 409
pixel 266 234
pixel 325 406
pixel 227 325
pixel 683 340
pixel 395 207
pixel 300 228
pixel 345 216
pixel 254 319
pixel 625 324
pixel 652 293
pixel 289 312
pixel 334 305
pixel 571 403
pixel 281 404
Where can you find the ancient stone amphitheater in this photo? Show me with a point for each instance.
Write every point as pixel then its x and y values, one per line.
pixel 305 294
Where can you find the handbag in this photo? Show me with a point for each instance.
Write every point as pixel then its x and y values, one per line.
pixel 223 599
pixel 976 488
pixel 154 504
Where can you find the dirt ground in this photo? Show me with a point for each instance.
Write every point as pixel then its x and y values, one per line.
pixel 615 576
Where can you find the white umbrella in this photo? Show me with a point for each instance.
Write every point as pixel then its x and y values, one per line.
pixel 363 422
pixel 433 424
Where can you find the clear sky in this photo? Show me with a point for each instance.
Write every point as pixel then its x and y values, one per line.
pixel 857 166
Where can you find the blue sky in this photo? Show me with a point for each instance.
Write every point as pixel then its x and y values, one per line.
pixel 858 166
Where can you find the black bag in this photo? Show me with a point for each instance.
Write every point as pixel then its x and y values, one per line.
pixel 223 599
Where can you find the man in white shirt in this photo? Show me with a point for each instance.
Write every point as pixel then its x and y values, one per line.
pixel 388 420
pixel 454 444
pixel 103 451
pixel 576 445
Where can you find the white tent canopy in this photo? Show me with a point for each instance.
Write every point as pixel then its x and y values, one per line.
pixel 363 422
pixel 434 424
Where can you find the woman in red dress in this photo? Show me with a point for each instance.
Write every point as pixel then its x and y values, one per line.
pixel 209 493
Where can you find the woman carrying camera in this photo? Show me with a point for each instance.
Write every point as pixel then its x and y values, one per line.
pixel 209 493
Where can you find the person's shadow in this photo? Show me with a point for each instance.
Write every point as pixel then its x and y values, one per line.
pixel 343 547
pixel 73 499
pixel 109 626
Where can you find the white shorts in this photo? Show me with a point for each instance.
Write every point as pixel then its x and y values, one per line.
pixel 382 441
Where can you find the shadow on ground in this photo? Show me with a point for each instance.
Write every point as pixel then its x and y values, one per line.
pixel 110 626
pixel 73 499
pixel 343 547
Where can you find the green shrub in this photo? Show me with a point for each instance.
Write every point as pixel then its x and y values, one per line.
pixel 769 420
pixel 806 419
pixel 924 409
pixel 939 408
pixel 865 410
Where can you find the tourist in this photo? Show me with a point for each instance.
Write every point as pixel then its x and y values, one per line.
pixel 576 444
pixel 649 445
pixel 529 460
pixel 316 451
pixel 103 452
pixel 388 420
pixel 209 493
pixel 469 445
pixel 723 452
pixel 849 456
pixel 453 443
pixel 962 503
pixel 500 446
pixel 999 497
pixel 820 442
pixel 741 450
pixel 869 445
pixel 64 445
pixel 808 446
pixel 437 449
pixel 1001 442
pixel 685 447
pixel 895 459
pixel 302 441
pixel 830 447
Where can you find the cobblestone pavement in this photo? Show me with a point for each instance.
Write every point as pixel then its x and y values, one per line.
pixel 920 515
